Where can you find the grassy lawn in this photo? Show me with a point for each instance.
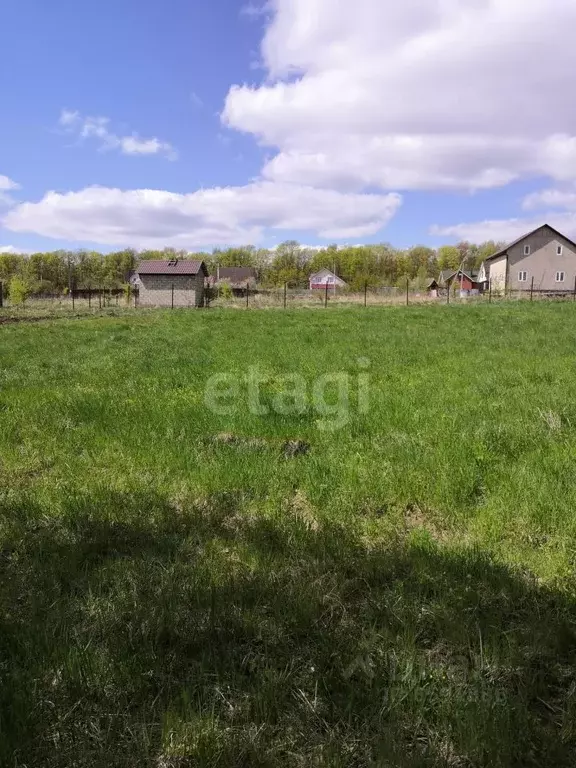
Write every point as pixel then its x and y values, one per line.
pixel 178 589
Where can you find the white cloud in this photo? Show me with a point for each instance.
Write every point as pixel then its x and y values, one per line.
pixel 422 94
pixel 506 229
pixel 550 198
pixel 98 128
pixel 152 218
pixel 10 249
pixel 556 207
pixel 255 10
pixel 7 185
pixel 196 100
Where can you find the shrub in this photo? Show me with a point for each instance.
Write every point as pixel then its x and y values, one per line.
pixel 18 290
pixel 225 291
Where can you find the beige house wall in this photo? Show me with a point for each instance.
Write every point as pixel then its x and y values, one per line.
pixel 498 274
pixel 543 262
pixel 156 290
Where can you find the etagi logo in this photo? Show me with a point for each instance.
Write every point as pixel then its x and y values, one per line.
pixel 332 397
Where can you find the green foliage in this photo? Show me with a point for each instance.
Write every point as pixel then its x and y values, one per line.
pixel 449 257
pixel 235 257
pixel 17 290
pixel 290 263
pixel 225 291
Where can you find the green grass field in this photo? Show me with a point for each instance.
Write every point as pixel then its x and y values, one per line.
pixel 402 593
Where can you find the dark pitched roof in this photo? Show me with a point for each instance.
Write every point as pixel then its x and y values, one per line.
pixel 446 274
pixel 236 274
pixel 502 251
pixel 471 274
pixel 174 267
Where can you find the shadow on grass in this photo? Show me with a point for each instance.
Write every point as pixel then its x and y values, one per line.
pixel 136 632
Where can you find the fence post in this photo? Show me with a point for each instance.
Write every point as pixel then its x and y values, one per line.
pixel 247 295
pixel 574 296
pixel 326 295
pixel 72 299
pixel 365 293
pixel 407 290
pixel 172 296
pixel 100 298
pixel 1 294
pixel 285 290
pixel 116 298
pixel 532 288
pixel 89 297
pixel 490 292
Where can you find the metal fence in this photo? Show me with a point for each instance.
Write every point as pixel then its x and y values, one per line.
pixel 89 300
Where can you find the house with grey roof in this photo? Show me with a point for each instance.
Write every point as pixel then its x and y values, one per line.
pixel 237 278
pixel 174 283
pixel 543 258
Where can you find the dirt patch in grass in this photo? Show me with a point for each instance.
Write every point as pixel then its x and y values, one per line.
pixel 418 517
pixel 288 448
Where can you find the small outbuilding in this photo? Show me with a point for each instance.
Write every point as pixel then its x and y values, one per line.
pixel 237 278
pixel 178 283
pixel 319 281
pixel 465 280
pixel 432 287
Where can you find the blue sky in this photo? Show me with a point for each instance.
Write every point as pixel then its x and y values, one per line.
pixel 301 110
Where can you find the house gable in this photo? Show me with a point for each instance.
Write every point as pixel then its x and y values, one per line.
pixel 326 277
pixel 524 240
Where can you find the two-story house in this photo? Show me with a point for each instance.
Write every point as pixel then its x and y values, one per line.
pixel 544 256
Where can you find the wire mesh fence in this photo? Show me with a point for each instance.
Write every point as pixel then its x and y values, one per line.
pixel 92 300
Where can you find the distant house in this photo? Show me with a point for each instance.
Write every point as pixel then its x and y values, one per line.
pixel 319 281
pixel 235 277
pixel 483 276
pixel 444 276
pixel 544 256
pixel 464 279
pixel 178 282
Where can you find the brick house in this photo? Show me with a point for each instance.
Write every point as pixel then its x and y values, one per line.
pixel 178 282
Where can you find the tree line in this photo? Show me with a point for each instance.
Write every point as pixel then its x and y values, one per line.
pixel 376 265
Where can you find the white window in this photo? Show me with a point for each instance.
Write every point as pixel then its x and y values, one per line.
pixel 522 277
pixel 526 250
pixel 559 277
pixel 559 250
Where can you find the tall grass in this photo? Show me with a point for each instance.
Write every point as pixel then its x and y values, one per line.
pixel 400 594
